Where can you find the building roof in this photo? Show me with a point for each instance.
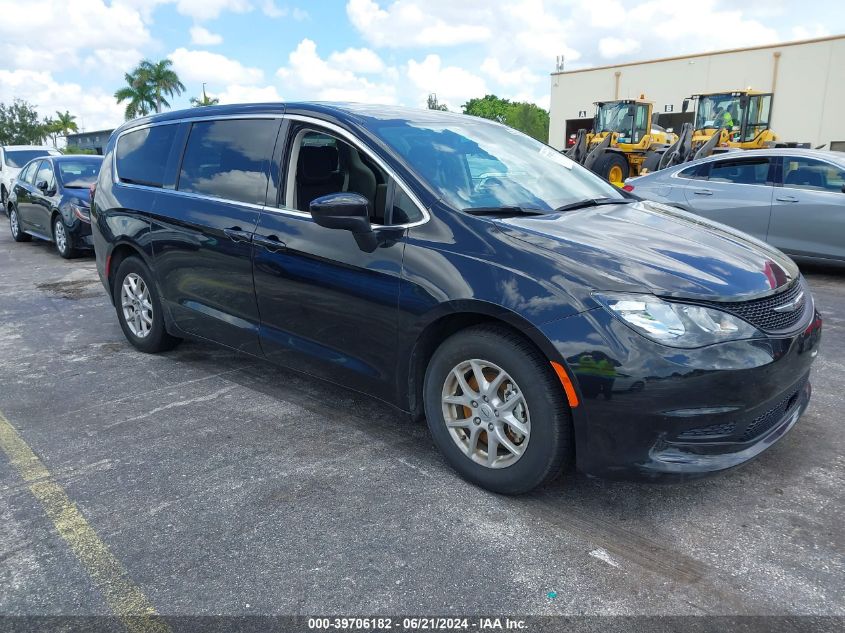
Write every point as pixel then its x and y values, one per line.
pixel 704 54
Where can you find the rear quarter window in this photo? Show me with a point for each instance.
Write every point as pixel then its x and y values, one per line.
pixel 141 155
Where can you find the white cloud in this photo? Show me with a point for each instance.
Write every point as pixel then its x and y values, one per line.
pixel 519 76
pixel 236 93
pixel 211 9
pixel 213 68
pixel 94 109
pixel 92 23
pixel 312 77
pixel 269 8
pixel 452 84
pixel 610 47
pixel 203 37
pixel 358 60
pixel 405 23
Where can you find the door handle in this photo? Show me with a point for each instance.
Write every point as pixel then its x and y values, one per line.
pixel 236 234
pixel 270 242
pixel 786 198
pixel 703 192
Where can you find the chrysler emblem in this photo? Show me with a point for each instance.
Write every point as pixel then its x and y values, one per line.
pixel 792 305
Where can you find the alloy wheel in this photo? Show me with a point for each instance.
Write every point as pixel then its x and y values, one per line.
pixel 486 413
pixel 136 305
pixel 13 222
pixel 60 235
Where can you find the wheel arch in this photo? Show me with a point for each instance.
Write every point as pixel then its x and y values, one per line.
pixel 453 320
pixel 120 252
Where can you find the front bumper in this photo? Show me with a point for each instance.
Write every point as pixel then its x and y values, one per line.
pixel 80 235
pixel 650 411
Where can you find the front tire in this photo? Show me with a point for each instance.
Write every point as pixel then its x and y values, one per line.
pixel 613 167
pixel 15 226
pixel 496 410
pixel 139 308
pixel 62 239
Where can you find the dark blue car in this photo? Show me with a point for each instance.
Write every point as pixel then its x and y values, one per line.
pixel 457 269
pixel 50 200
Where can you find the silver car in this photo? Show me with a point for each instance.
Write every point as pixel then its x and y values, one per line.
pixel 794 199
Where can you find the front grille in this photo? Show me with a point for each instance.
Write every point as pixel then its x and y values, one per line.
pixel 767 420
pixel 761 314
pixel 714 430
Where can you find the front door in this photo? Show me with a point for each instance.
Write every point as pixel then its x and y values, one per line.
pixel 808 212
pixel 736 192
pixel 42 206
pixel 202 238
pixel 23 189
pixel 329 305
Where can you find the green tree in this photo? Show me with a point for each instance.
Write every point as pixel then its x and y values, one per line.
pixel 51 129
pixel 522 116
pixel 434 104
pixel 65 123
pixel 489 107
pixel 138 94
pixel 73 149
pixel 20 124
pixel 162 79
pixel 530 119
pixel 205 100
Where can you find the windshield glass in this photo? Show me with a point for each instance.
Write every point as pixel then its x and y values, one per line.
pixel 718 111
pixel 17 158
pixel 615 117
pixel 78 174
pixel 475 164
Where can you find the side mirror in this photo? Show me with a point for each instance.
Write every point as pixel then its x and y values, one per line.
pixel 685 105
pixel 42 185
pixel 348 211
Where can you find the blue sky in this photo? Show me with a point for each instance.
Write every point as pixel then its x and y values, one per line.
pixel 388 51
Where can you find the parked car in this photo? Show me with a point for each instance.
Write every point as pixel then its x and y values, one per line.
pixel 51 199
pixel 358 244
pixel 793 199
pixel 12 159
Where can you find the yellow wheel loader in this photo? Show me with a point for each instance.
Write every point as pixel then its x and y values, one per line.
pixel 624 141
pixel 740 118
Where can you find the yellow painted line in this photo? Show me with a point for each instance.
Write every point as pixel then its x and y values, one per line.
pixel 122 595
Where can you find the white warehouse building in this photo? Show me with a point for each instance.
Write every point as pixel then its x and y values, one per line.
pixel 807 79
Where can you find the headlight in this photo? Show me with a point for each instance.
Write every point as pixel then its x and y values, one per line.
pixel 676 324
pixel 81 212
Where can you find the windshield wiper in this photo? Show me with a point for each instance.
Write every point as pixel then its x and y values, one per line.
pixel 504 211
pixel 589 202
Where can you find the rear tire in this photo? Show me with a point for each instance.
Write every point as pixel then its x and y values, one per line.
pixel 536 434
pixel 15 227
pixel 139 309
pixel 62 239
pixel 612 167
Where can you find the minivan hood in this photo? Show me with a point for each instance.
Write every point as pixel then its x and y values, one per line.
pixel 646 246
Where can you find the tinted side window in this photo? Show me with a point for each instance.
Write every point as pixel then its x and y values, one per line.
pixel 142 155
pixel 806 173
pixel 404 210
pixel 45 173
pixel 749 171
pixel 229 159
pixel 696 172
pixel 28 174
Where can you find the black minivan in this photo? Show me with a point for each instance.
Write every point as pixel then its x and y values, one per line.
pixel 457 269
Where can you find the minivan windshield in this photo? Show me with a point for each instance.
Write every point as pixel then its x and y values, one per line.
pixel 475 163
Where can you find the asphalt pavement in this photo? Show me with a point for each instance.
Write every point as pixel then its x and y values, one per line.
pixel 224 485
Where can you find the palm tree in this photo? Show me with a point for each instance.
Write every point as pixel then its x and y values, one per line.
pixel 161 79
pixel 205 100
pixel 65 123
pixel 138 93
